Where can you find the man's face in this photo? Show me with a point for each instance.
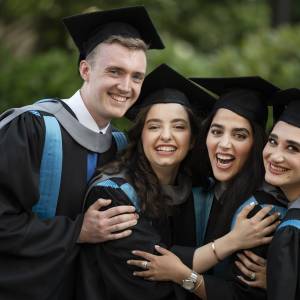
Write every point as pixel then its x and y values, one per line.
pixel 113 81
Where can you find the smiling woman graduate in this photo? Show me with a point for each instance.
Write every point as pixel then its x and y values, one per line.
pixel 282 163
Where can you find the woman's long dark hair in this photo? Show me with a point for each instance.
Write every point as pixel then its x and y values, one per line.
pixel 242 186
pixel 140 173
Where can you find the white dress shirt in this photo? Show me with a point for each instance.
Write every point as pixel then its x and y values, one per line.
pixel 81 112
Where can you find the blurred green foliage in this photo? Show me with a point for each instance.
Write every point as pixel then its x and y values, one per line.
pixel 202 38
pixel 23 81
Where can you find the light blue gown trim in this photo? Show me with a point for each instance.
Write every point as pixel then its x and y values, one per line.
pixel 50 170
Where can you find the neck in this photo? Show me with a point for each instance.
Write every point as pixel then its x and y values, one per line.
pixel 101 122
pixel 166 176
pixel 220 188
pixel 291 194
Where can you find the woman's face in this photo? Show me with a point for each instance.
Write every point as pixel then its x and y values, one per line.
pixel 229 142
pixel 282 159
pixel 166 137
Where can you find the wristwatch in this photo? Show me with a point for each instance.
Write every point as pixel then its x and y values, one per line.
pixel 190 282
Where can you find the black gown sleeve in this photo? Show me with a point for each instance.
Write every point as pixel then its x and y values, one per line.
pixel 31 250
pixel 283 269
pixel 104 273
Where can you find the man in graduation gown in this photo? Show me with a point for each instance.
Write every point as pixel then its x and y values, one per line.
pixel 43 179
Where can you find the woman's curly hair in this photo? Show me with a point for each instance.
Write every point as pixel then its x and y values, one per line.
pixel 140 173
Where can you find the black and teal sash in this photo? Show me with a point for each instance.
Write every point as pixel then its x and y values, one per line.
pixel 252 199
pixel 52 156
pixel 292 223
pixel 111 181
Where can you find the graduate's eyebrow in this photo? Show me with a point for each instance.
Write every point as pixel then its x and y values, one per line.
pixel 245 130
pixel 179 120
pixel 273 136
pixel 293 143
pixel 120 69
pixel 172 121
pixel 154 120
pixel 242 129
pixel 216 125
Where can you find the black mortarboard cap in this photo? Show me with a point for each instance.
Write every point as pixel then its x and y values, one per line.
pixel 246 96
pixel 165 85
pixel 288 101
pixel 88 30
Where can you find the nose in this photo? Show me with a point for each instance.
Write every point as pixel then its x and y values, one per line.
pixel 277 156
pixel 225 142
pixel 166 134
pixel 124 84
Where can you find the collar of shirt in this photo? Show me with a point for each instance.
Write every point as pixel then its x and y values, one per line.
pixel 295 204
pixel 84 117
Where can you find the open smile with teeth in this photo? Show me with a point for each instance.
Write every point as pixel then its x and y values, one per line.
pixel 224 159
pixel 277 169
pixel 166 148
pixel 119 98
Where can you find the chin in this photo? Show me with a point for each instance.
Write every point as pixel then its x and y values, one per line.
pixel 118 115
pixel 222 177
pixel 273 180
pixel 226 174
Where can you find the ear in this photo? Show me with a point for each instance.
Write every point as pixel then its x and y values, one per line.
pixel 84 70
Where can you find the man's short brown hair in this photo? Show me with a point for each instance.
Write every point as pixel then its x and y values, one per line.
pixel 128 42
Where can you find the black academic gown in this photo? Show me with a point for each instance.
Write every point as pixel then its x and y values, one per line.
pixel 283 270
pixel 104 274
pixel 38 258
pixel 221 282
